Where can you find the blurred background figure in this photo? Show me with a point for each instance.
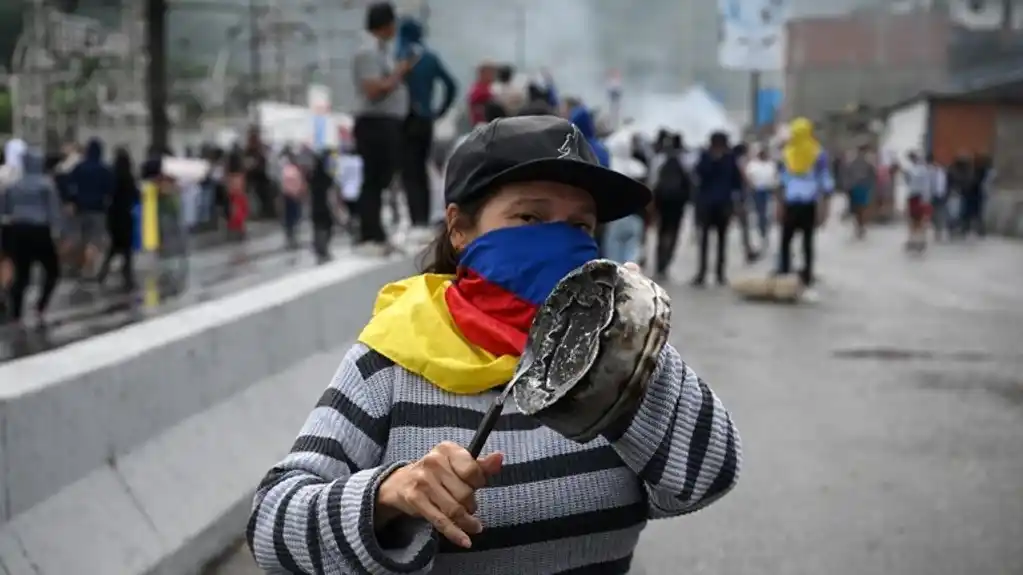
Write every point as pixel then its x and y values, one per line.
pixel 860 177
pixel 120 223
pixel 91 186
pixel 672 184
pixel 31 212
pixel 426 75
pixel 719 176
pixel 383 107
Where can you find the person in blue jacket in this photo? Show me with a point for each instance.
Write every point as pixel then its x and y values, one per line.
pixel 427 73
pixel 621 240
pixel 92 185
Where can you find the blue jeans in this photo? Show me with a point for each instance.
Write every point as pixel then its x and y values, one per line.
pixel 761 202
pixel 623 240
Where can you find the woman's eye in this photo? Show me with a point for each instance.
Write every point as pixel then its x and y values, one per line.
pixel 528 218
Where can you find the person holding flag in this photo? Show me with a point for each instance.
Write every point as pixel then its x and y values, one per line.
pixel 378 480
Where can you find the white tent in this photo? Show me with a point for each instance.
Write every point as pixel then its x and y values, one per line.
pixel 694 113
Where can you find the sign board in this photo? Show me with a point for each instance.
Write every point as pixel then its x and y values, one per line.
pixel 751 34
pixel 318 98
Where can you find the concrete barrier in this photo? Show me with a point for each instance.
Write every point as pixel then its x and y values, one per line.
pixel 136 451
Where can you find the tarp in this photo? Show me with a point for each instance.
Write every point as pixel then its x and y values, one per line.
pixel 694 113
pixel 282 124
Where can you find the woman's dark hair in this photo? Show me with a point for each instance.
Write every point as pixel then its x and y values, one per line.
pixel 440 257
pixel 123 167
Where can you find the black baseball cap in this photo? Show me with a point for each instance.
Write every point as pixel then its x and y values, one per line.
pixel 538 148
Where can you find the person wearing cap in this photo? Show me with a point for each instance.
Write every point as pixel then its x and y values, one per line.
pixel 378 480
pixel 382 109
pixel 422 81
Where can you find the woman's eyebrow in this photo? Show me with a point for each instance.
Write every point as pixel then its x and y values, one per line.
pixel 529 203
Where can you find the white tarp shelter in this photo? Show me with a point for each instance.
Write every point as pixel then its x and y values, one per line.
pixel 694 113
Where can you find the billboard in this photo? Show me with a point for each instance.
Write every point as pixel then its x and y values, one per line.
pixel 751 34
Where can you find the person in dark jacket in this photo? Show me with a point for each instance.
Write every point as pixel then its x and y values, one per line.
pixel 719 177
pixel 958 180
pixel 426 74
pixel 31 209
pixel 120 224
pixel 322 206
pixel 977 188
pixel 92 184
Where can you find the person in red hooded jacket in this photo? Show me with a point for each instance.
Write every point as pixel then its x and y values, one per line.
pixel 480 94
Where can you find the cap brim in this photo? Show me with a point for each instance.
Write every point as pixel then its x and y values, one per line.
pixel 615 195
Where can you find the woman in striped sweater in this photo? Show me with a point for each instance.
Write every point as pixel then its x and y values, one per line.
pixel 378 481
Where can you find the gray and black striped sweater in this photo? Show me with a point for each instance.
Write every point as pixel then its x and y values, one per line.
pixel 555 507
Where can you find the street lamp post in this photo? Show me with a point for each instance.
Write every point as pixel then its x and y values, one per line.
pixel 255 64
pixel 156 76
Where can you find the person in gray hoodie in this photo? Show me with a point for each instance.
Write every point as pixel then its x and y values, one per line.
pixel 31 210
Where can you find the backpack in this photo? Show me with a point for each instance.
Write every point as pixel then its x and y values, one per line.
pixel 672 179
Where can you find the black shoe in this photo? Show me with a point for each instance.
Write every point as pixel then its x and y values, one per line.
pixel 722 280
pixel 698 282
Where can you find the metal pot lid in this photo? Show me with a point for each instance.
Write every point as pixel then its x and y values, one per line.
pixel 580 321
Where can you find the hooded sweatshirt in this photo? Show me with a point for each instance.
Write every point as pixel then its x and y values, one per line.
pixel 719 178
pixel 32 199
pixel 583 119
pixel 428 70
pixel 14 153
pixel 91 181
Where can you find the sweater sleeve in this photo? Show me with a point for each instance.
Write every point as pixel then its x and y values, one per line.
pixel 313 512
pixel 681 442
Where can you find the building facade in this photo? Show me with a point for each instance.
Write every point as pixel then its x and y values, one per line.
pixel 868 57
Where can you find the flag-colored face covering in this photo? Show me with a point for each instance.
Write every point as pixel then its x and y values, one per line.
pixel 506 274
pixel 465 333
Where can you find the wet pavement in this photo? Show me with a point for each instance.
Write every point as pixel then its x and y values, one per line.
pixel 882 426
pixel 80 310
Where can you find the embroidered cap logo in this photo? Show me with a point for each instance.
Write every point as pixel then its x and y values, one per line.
pixel 570 148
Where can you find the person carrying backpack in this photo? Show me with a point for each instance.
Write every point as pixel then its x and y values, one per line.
pixel 672 186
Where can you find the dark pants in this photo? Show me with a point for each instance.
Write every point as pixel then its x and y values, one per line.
pixel 415 153
pixel 714 218
pixel 292 218
pixel 762 201
pixel 119 226
pixel 671 213
pixel 799 217
pixel 741 211
pixel 261 187
pixel 972 214
pixel 28 244
pixel 379 143
pixel 322 234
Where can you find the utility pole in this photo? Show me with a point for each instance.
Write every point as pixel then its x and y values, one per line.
pixel 277 30
pixel 156 74
pixel 39 61
pixel 754 99
pixel 255 64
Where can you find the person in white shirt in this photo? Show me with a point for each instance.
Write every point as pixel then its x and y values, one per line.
pixel 11 169
pixel 762 175
pixel 919 183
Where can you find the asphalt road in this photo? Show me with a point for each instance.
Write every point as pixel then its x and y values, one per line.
pixel 882 427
